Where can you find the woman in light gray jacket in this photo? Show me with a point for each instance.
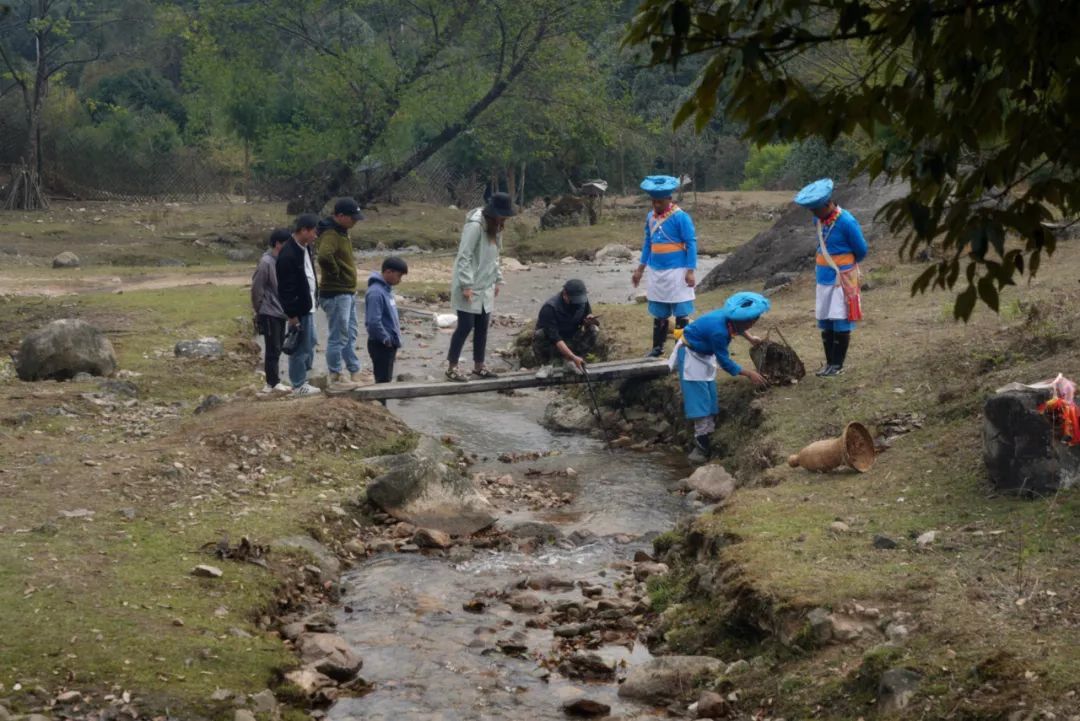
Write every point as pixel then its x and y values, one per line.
pixel 269 315
pixel 476 281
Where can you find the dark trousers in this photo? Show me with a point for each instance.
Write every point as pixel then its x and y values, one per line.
pixel 273 331
pixel 583 343
pixel 382 360
pixel 475 323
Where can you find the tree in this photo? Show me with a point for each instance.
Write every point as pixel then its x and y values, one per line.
pixel 40 40
pixel 393 80
pixel 976 95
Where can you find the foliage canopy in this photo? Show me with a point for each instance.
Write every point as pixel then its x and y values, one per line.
pixel 969 101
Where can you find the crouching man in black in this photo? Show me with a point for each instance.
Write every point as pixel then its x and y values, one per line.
pixel 566 327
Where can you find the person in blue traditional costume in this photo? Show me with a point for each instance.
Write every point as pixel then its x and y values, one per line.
pixel 840 247
pixel 702 345
pixel 670 254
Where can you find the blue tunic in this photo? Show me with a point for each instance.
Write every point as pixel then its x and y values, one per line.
pixel 846 245
pixel 671 243
pixel 708 335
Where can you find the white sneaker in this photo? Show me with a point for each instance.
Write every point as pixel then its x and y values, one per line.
pixel 282 388
pixel 266 390
pixel 305 390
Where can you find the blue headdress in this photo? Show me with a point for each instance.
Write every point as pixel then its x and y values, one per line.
pixel 815 195
pixel 745 305
pixel 660 186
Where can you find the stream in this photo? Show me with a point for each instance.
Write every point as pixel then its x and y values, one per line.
pixel 428 658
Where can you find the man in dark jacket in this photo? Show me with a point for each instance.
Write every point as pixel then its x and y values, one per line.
pixel 381 318
pixel 298 290
pixel 566 326
pixel 338 292
pixel 269 315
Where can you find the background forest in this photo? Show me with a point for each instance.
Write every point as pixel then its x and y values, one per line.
pixel 425 99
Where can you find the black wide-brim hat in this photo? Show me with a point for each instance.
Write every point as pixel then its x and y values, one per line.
pixel 499 205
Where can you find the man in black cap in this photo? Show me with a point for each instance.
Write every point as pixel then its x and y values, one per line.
pixel 381 317
pixel 337 292
pixel 566 326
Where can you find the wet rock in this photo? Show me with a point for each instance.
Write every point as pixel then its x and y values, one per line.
pixel 242 714
pixel 566 414
pixel 62 349
pixel 711 705
pixel 356 547
pixel 383 546
pixel 614 251
pixel 711 482
pixel 884 542
pixel 205 571
pixel 588 667
pixel 200 348
pixel 329 655
pixel 592 591
pixel 668 678
pixel 408 548
pixel 514 645
pixel 460 554
pixel 292 631
pixel 67 259
pixel 582 536
pixel 328 564
pixel 525 603
pixel 426 488
pixel 645 570
pixel 572 630
pixel 544 582
pixel 586 708
pixel 896 689
pixel 431 538
pixel 475 605
pixel 532 529
pixel 308 680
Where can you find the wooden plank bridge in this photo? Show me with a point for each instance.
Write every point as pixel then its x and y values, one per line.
pixel 598 372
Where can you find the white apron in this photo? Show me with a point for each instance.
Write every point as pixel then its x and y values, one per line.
pixel 668 286
pixel 696 366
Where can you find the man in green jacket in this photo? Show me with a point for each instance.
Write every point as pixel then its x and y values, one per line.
pixel 337 292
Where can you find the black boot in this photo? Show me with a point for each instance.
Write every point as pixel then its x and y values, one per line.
pixel 682 321
pixel 702 449
pixel 659 335
pixel 827 340
pixel 839 354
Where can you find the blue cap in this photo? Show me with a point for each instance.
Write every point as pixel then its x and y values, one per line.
pixel 816 194
pixel 660 186
pixel 745 305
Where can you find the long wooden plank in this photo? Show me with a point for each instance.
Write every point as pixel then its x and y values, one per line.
pixel 598 372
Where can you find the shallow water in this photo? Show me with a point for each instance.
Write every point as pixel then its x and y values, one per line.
pixel 431 660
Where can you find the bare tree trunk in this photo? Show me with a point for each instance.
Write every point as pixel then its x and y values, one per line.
pixel 511 183
pixel 247 170
pixel 522 203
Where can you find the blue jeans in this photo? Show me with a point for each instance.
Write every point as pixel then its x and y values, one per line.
pixel 342 328
pixel 300 360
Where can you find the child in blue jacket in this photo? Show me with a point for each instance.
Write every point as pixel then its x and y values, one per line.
pixel 381 318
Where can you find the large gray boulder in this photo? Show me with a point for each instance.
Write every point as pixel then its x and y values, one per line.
pixel 1023 451
pixel 427 489
pixel 67 259
pixel 63 349
pixel 790 244
pixel 566 414
pixel 669 678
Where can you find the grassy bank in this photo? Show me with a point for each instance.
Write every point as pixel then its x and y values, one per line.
pixel 989 604
pixel 110 501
